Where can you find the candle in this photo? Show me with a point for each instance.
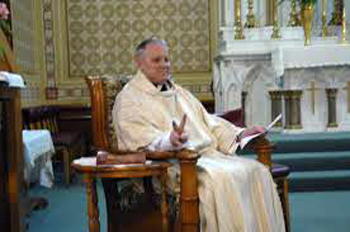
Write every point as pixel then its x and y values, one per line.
pixel 324 7
pixel 238 9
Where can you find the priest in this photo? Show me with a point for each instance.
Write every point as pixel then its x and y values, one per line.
pixel 236 194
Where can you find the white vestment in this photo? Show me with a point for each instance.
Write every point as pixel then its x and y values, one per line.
pixel 236 194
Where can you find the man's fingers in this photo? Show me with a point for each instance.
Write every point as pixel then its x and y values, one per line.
pixel 183 138
pixel 183 122
pixel 260 129
pixel 177 143
pixel 178 139
pixel 179 129
pixel 253 130
pixel 175 127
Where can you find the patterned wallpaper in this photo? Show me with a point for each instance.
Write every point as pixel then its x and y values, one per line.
pixel 102 34
pixel 58 43
pixel 24 40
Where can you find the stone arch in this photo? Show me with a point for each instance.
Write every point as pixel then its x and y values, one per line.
pixel 259 80
pixel 259 70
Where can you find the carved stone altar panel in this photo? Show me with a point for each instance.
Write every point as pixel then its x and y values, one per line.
pixel 314 101
pixel 233 74
pixel 312 104
pixel 252 74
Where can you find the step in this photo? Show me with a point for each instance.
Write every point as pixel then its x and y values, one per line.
pixel 314 161
pixel 310 142
pixel 319 181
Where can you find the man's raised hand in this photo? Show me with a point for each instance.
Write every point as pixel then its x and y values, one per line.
pixel 178 136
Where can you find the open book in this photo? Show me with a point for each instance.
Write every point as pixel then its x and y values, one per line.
pixel 247 139
pixel 13 79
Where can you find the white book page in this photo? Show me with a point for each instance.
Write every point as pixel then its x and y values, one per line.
pixel 247 139
pixel 13 79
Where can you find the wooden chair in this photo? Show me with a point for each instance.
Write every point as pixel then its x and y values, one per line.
pixel 103 91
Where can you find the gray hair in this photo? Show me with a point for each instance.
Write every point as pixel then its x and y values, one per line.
pixel 140 49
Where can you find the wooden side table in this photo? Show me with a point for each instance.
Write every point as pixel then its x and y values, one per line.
pixel 88 167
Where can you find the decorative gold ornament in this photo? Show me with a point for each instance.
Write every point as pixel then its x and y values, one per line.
pixel 239 30
pixel 294 20
pixel 238 21
pixel 276 34
pixel 251 21
pixel 324 19
pixel 343 26
pixel 307 15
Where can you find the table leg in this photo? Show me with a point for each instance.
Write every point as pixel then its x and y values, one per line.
pixel 92 200
pixel 66 163
pixel 164 202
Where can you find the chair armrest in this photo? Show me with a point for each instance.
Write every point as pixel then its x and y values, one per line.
pixel 125 157
pixel 263 148
pixel 107 157
pixel 186 154
pixel 160 155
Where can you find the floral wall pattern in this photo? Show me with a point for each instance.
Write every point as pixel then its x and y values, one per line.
pixel 58 43
pixel 102 34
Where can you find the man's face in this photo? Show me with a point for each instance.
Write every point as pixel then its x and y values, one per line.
pixel 155 63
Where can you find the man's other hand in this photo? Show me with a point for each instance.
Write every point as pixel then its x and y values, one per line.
pixel 252 131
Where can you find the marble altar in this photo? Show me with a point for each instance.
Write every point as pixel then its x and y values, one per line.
pixel 246 73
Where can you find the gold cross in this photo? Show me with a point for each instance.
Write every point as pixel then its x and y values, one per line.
pixel 347 88
pixel 313 96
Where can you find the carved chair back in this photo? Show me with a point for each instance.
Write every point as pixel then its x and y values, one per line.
pixel 103 91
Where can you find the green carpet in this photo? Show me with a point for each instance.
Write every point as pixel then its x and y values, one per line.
pixel 318 161
pixel 310 211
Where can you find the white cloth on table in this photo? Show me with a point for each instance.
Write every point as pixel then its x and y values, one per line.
pixel 38 150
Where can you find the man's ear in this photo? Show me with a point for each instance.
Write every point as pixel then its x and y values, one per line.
pixel 138 61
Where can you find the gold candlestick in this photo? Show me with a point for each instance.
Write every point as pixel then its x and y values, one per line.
pixel 238 21
pixel 343 25
pixel 324 19
pixel 276 34
pixel 294 21
pixel 336 16
pixel 251 21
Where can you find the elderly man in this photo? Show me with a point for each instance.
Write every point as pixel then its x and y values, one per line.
pixel 236 194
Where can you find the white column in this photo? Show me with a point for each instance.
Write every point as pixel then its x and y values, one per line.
pixel 284 12
pixel 260 11
pixel 347 11
pixel 244 10
pixel 347 18
pixel 330 6
pixel 230 13
pixel 222 13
